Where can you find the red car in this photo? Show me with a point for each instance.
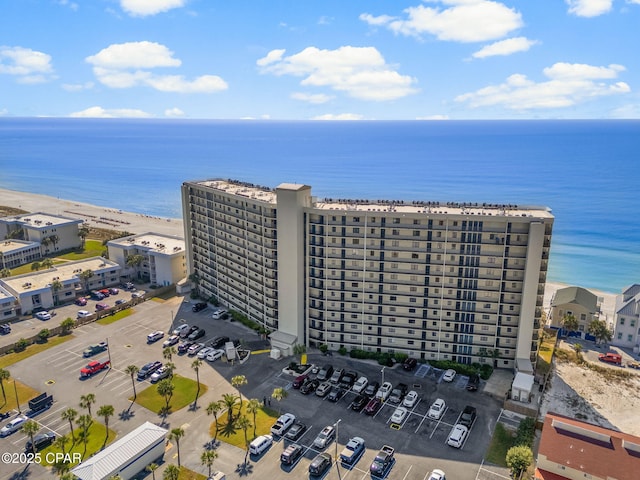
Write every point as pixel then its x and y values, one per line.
pixel 81 301
pixel 101 306
pixel 373 406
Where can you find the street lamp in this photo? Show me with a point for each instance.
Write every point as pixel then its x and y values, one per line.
pixel 336 440
pixel 15 389
pixel 382 372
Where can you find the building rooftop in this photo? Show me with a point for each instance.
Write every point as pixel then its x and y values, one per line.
pixel 155 242
pixel 7 246
pixel 576 295
pixel 41 220
pixel 249 190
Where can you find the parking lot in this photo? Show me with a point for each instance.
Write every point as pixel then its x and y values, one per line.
pixel 420 442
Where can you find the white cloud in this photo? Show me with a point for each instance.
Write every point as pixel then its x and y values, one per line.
pixel 568 85
pixel 3 112
pixel 127 65
pixel 312 98
pixel 66 3
pixel 459 21
pixel 627 111
pixel 589 8
pixel 77 87
pixel 29 66
pixel 360 72
pixel 143 8
pixel 505 47
pixel 99 112
pixel 339 116
pixel 173 112
pixel 434 117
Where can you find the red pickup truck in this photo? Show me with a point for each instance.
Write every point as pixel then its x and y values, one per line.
pixel 94 367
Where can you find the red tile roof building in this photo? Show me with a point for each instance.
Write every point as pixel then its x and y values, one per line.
pixel 575 450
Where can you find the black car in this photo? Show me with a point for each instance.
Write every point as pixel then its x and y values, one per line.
pixel 5 329
pixel 468 416
pixel 359 402
pixel 40 441
pixel 309 387
pixel 218 342
pixel 199 333
pixel 184 346
pixel 335 394
pixel 473 383
pixel 371 389
pixel 409 364
pixel 148 369
pixel 325 373
pixel 320 464
pixel 348 379
pixel 291 454
pixel 296 431
pixel 198 307
pixel 189 331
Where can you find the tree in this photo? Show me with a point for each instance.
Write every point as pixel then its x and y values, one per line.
pixel 70 414
pixel 599 329
pixel 5 272
pixel 279 394
pixel 43 335
pixel 569 322
pixel 197 363
pixel 62 468
pixel 245 424
pixel 135 261
pixel 237 381
pixel 67 325
pixel 168 353
pixel 252 407
pixel 85 276
pixel 31 428
pixel 518 459
pixel 48 263
pixel 35 266
pixel 165 389
pixel 83 233
pixel 171 473
pixel 152 467
pixel 176 434
pixel 4 375
pixel 86 401
pixel 171 367
pixel 84 422
pixel 61 443
pixel 207 458
pixel 56 285
pixel 213 409
pixel 106 411
pixel 229 400
pixel 132 370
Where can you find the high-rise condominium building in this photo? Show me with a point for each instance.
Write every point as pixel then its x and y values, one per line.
pixel 462 282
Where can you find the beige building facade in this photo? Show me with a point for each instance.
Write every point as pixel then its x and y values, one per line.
pixel 435 281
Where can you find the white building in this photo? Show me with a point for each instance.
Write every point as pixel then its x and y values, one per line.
pixel 9 306
pixel 54 233
pixel 14 253
pixel 35 289
pixel 127 456
pixel 627 320
pixel 163 257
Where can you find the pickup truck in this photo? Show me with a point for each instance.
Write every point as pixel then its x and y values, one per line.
pixel 93 349
pixel 383 462
pixel 614 358
pixel 352 451
pixel 94 367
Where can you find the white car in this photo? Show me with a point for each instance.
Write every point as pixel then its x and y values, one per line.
pixel 155 336
pixel 283 423
pixel 195 348
pixel 384 391
pixel 215 355
pixel 84 313
pixel 44 315
pixel 457 436
pixel 410 399
pixel 181 328
pixel 218 313
pixel 437 409
pixel 360 385
pixel 449 375
pixel 138 294
pixel 399 415
pixel 205 351
pixel 162 372
pixel 13 426
pixel 172 340
pixel 437 474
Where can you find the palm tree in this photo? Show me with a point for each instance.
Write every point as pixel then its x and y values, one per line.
pixel 171 367
pixel 171 473
pixel 279 394
pixel 168 353
pixel 152 467
pixel 70 414
pixel 106 411
pixel 196 366
pixel 45 242
pixel 229 400
pixel 4 375
pixel 62 468
pixel 253 406
pixel 85 276
pixel 569 322
pixel 213 409
pixel 132 370
pixel 165 389
pixel 61 443
pixel 83 233
pixel 54 239
pixel 176 434
pixel 84 422
pixel 5 272
pixel 599 329
pixel 135 261
pixel 207 458
pixel 86 401
pixel 237 381
pixel 48 263
pixel 244 423
pixel 56 286
pixel 31 428
pixel 35 266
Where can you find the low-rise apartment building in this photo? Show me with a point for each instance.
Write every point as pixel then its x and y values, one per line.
pixel 627 319
pixel 432 280
pixel 576 301
pixel 14 253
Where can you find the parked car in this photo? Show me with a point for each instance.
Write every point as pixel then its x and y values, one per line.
pixel 215 355
pixel 325 437
pixel 323 389
pixel 437 474
pixel 40 441
pixel 360 384
pixel 5 329
pixel 409 364
pixel 347 379
pixel 299 381
pixel 371 389
pixel 437 409
pixel 296 431
pixel 184 346
pixel 399 415
pixel 291 454
pixel 468 416
pixel 325 373
pixel 94 349
pixel 309 387
pixel 384 391
pixel 161 373
pixel 80 301
pixel 148 369
pixel 195 348
pixel 358 403
pixel 218 313
pixel 155 336
pixel 199 333
pixel 473 383
pixel 101 306
pixel 397 394
pixel 320 465
pixel 198 307
pixel 260 444
pixel 218 342
pixel 13 426
pixel 138 294
pixel 335 377
pixel 335 394
pixel 373 406
pixel 181 328
pixel 410 399
pixel 352 450
pixel 205 351
pixel 457 436
pixel 189 331
pixel 171 341
pixel 114 291
pixel 283 423
pixel 449 375
pixel 43 315
pixel 83 314
pixel 120 302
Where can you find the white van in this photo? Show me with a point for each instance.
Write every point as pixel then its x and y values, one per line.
pixel 260 444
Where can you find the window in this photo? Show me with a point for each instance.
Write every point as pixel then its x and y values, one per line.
pixel 356 241
pixel 621 320
pixel 620 336
pixel 395 232
pixel 414 255
pixel 632 323
pixel 396 220
pixel 356 219
pixel 356 230
pixel 629 338
pixel 395 243
pixel 416 221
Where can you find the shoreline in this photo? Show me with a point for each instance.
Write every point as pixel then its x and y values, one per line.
pixel 105 217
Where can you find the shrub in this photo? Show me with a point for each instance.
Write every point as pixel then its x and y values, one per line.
pixel 43 335
pixel 526 432
pixel 67 325
pixel 324 348
pixel 342 350
pixel 518 459
pixel 21 345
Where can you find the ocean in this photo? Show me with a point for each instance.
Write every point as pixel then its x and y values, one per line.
pixel 585 171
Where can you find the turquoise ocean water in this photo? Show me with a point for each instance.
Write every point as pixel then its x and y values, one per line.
pixel 587 172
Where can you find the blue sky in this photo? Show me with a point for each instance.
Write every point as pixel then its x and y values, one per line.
pixel 302 60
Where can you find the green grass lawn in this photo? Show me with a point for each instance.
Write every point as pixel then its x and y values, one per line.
pixel 183 394
pixel 115 317
pixel 95 443
pixel 265 418
pixel 92 248
pixel 33 349
pixel 24 392
pixel 186 474
pixel 501 442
